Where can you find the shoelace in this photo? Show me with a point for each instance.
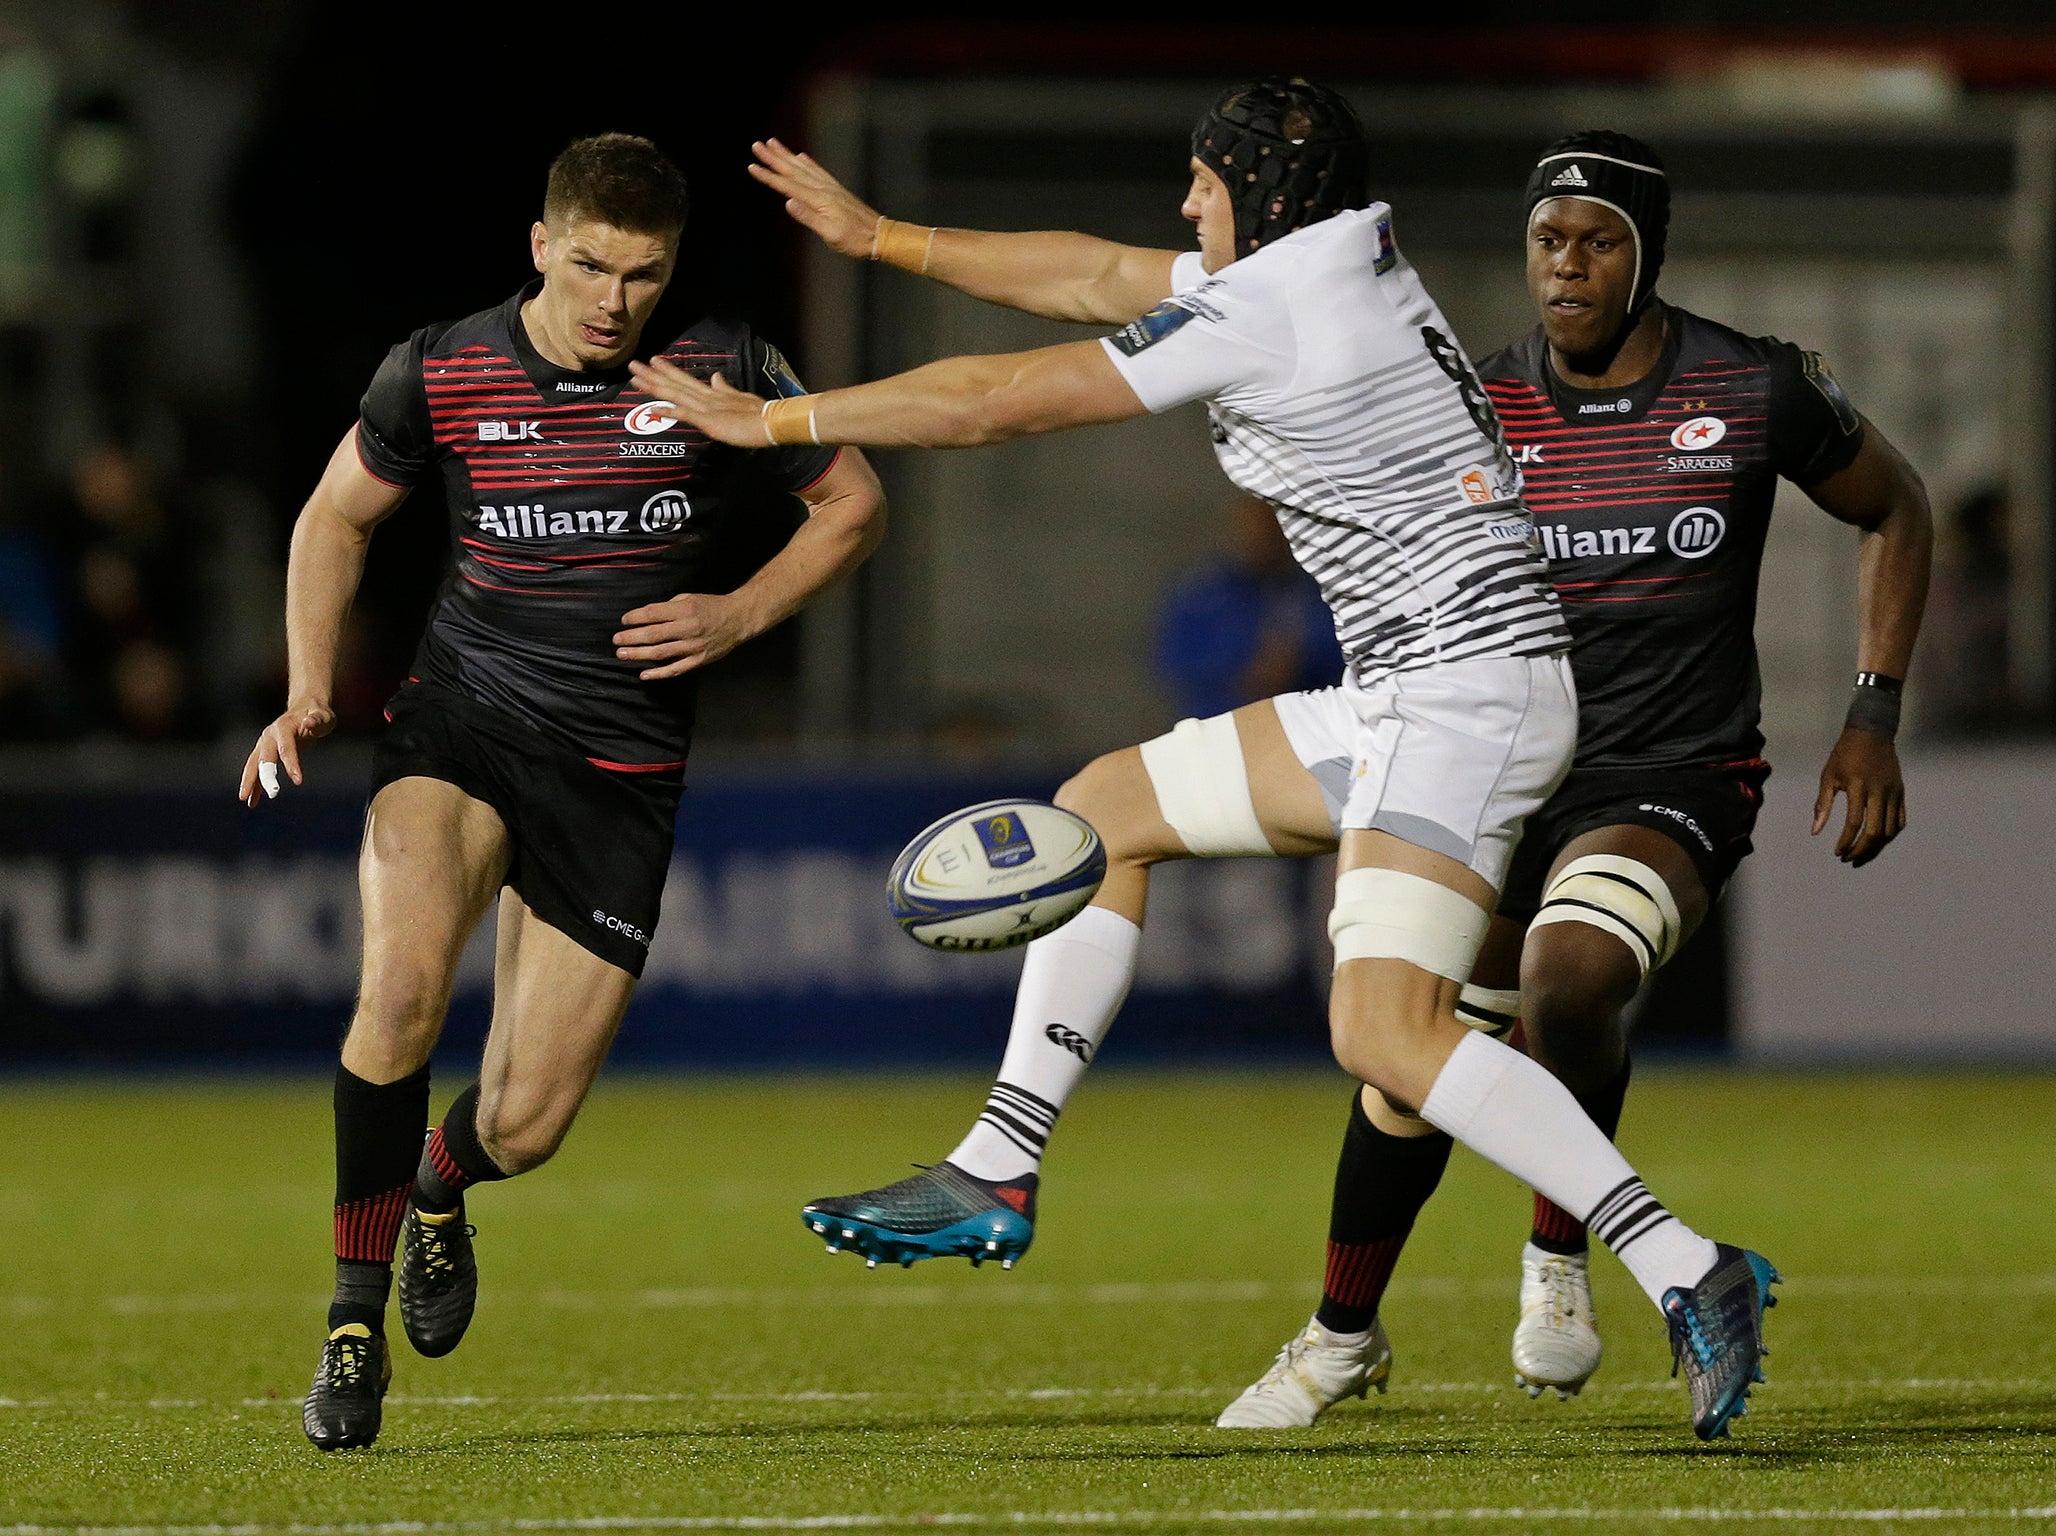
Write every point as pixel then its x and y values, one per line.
pixel 1695 1339
pixel 1288 1358
pixel 435 1251
pixel 349 1362
pixel 1559 1291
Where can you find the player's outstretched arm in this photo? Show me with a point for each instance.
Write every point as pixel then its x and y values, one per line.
pixel 1880 493
pixel 960 402
pixel 322 572
pixel 845 522
pixel 1053 273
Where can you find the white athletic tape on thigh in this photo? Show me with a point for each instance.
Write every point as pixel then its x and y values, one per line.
pixel 1386 914
pixel 1491 1010
pixel 1202 789
pixel 1623 897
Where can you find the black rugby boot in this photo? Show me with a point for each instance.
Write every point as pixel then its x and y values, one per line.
pixel 438 1279
pixel 347 1401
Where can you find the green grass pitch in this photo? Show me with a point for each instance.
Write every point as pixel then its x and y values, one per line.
pixel 660 1344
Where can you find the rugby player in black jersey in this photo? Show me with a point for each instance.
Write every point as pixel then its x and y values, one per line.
pixel 1651 441
pixel 536 752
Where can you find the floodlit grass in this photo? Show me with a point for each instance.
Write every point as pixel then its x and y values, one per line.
pixel 661 1344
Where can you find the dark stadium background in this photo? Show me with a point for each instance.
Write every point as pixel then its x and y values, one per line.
pixel 386 163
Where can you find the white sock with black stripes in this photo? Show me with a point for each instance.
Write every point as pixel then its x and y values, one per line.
pixel 1072 986
pixel 1510 1111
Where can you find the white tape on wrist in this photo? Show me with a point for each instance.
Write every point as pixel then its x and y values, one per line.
pixel 1387 914
pixel 1202 789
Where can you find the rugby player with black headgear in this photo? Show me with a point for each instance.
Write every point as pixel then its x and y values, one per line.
pixel 536 753
pixel 1337 394
pixel 1652 440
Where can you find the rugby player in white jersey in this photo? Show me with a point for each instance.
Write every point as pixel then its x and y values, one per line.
pixel 1336 393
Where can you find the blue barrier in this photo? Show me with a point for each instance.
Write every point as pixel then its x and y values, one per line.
pixel 180 927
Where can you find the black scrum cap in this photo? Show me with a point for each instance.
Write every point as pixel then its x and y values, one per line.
pixel 1619 172
pixel 1291 152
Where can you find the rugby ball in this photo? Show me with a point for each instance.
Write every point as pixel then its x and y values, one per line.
pixel 995 875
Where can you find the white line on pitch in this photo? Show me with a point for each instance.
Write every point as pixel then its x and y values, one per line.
pixel 1010 1292
pixel 917 1396
pixel 1017 1518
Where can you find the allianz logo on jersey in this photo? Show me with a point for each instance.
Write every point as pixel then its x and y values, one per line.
pixel 1693 534
pixel 665 512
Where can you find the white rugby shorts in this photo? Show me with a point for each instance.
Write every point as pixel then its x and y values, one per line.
pixel 1453 757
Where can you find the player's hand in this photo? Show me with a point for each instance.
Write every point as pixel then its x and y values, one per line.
pixel 1864 769
pixel 816 199
pixel 725 413
pixel 279 747
pixel 687 632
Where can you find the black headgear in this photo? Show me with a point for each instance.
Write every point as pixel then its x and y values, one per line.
pixel 1292 153
pixel 1619 172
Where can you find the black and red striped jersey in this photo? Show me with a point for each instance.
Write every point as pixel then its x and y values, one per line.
pixel 1652 503
pixel 572 500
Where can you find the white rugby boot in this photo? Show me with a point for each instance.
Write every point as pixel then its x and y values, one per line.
pixel 1556 1343
pixel 1312 1373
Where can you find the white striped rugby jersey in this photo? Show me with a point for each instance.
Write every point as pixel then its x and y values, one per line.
pixel 1340 396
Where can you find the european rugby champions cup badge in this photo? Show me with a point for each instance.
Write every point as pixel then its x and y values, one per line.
pixel 1005 841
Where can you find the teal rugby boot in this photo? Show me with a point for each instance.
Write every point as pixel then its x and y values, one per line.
pixel 938 1212
pixel 1716 1332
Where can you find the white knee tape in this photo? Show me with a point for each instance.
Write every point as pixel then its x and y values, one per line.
pixel 1385 914
pixel 1490 1010
pixel 1623 897
pixel 1202 789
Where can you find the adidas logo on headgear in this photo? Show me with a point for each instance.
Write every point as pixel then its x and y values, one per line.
pixel 1570 176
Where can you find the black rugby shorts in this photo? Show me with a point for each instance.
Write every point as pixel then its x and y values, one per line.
pixel 590 848
pixel 1708 812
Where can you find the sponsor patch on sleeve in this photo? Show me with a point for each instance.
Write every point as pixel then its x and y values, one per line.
pixel 1151 328
pixel 778 373
pixel 1820 378
pixel 1388 253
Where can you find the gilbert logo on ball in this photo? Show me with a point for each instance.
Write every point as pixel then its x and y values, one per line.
pixel 995 875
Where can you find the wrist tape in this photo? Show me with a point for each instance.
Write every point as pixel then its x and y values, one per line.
pixel 790 420
pixel 1874 705
pixel 906 246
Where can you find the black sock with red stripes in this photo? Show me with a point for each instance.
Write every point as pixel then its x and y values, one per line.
pixel 1381 1183
pixel 454 1159
pixel 1556 1229
pixel 378 1138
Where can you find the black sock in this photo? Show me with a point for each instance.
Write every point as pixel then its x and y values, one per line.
pixel 454 1158
pixel 1556 1229
pixel 378 1138
pixel 1381 1183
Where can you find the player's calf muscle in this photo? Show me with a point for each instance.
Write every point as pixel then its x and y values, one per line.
pixel 522 1131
